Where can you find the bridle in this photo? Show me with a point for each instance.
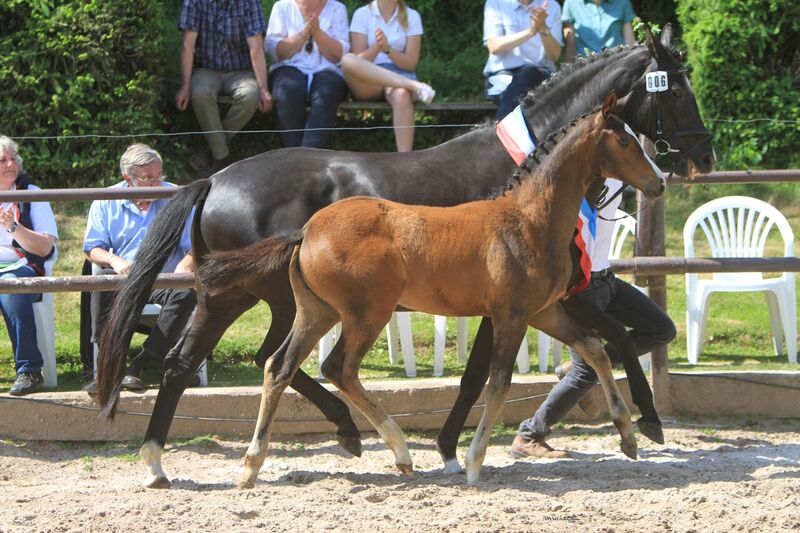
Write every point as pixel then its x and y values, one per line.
pixel 662 144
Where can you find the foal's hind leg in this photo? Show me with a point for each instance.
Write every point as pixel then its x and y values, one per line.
pixel 211 319
pixel 341 369
pixel 556 322
pixel 281 301
pixel 472 383
pixel 278 372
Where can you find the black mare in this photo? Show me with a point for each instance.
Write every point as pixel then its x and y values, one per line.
pixel 277 192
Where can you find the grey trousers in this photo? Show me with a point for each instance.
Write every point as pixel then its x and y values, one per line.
pixel 207 84
pixel 651 327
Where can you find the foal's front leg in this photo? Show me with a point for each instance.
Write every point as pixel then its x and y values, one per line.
pixel 507 338
pixel 556 322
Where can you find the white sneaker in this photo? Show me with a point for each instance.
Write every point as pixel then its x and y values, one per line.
pixel 425 93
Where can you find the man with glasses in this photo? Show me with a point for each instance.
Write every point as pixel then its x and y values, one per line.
pixel 114 232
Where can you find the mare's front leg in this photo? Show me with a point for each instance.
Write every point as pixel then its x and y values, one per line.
pixel 212 317
pixel 281 302
pixel 556 322
pixel 509 333
pixel 590 317
pixel 472 383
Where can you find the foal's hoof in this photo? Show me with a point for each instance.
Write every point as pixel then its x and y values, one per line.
pixel 351 445
pixel 158 482
pixel 245 484
pixel 652 430
pixel 629 450
pixel 406 470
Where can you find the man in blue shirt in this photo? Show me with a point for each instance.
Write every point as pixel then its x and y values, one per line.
pixel 222 52
pixel 591 25
pixel 114 232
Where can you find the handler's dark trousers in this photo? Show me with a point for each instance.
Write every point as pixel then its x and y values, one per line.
pixel 651 327
pixel 176 309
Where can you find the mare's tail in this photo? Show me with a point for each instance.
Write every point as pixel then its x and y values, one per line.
pixel 225 269
pixel 161 239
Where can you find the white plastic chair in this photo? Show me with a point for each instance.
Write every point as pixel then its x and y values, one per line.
pixel 44 316
pixel 148 318
pixel 624 227
pixel 738 226
pixel 398 331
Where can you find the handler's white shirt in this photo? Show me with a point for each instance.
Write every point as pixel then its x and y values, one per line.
pixel 596 232
pixel 368 18
pixel 286 20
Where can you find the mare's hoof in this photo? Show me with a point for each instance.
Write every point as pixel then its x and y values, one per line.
pixel 406 470
pixel 351 445
pixel 652 430
pixel 452 466
pixel 158 482
pixel 629 450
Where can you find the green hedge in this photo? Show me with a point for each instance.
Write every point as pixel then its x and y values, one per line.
pixel 745 56
pixel 75 68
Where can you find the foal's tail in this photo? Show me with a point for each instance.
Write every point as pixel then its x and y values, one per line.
pixel 226 269
pixel 120 324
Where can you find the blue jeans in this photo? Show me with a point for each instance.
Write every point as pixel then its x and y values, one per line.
pixel 651 327
pixel 523 79
pixel 18 313
pixel 292 91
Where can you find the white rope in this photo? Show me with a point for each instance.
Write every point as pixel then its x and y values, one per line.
pixel 332 129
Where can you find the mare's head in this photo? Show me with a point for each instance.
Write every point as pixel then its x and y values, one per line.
pixel 664 108
pixel 618 153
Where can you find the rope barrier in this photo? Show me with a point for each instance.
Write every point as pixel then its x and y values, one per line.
pixel 331 129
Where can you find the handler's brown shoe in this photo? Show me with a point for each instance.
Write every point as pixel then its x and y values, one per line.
pixel 537 448
pixel 588 403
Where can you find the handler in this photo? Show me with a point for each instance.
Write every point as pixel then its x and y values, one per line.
pixel 651 327
pixel 114 232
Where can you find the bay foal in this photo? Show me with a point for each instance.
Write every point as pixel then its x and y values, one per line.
pixel 506 258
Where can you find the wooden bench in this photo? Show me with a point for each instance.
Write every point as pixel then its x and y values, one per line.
pixel 352 105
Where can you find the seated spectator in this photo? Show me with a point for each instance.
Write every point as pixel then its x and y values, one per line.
pixel 593 26
pixel 28 240
pixel 114 232
pixel 222 53
pixel 386 36
pixel 524 42
pixel 306 40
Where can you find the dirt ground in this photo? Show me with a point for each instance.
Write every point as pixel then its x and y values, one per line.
pixel 710 476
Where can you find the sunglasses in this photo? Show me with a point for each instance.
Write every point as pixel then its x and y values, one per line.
pixel 309 45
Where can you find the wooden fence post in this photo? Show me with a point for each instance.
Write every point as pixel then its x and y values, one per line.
pixel 651 241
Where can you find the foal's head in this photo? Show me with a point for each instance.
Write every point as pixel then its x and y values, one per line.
pixel 618 153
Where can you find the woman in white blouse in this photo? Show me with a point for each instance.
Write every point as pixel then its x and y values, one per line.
pixel 306 40
pixel 386 36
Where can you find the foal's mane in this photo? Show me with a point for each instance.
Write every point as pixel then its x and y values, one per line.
pixel 535 159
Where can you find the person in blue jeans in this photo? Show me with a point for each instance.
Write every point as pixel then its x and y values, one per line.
pixel 524 42
pixel 592 25
pixel 27 238
pixel 649 325
pixel 306 40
